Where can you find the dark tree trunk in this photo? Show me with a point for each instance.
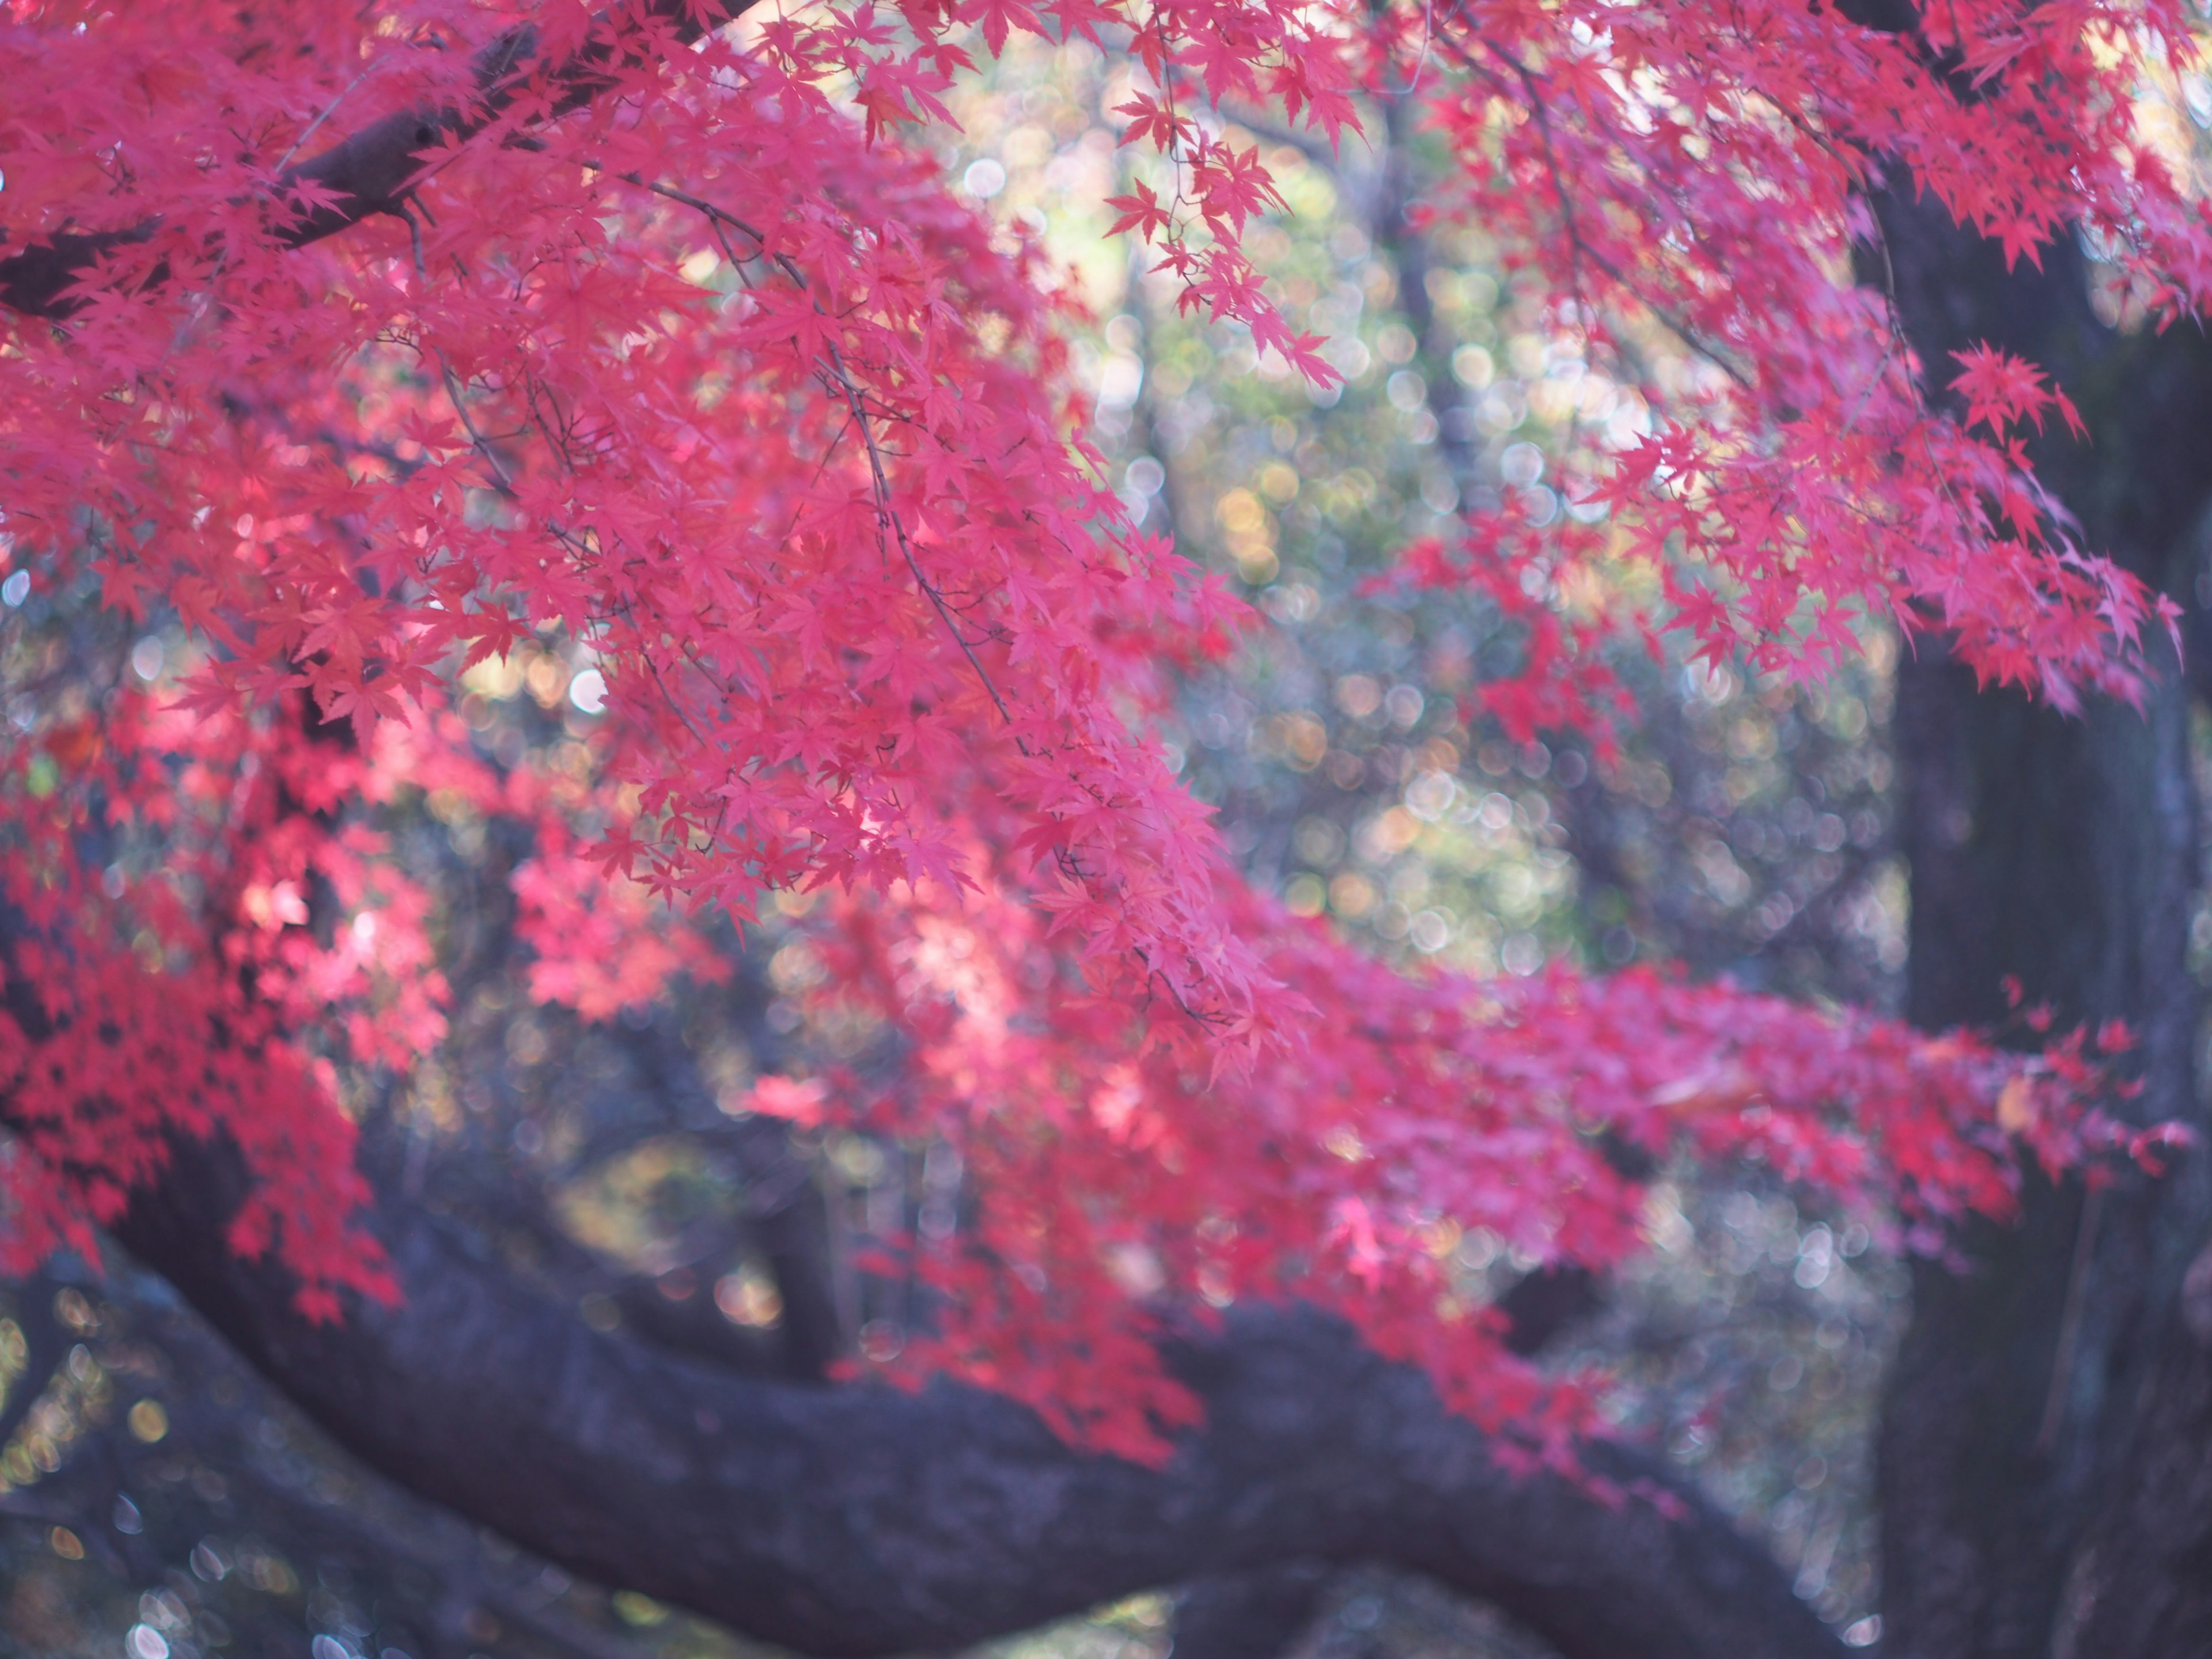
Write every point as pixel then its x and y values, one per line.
pixel 2032 1391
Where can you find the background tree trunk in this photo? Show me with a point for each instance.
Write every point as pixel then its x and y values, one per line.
pixel 2032 1389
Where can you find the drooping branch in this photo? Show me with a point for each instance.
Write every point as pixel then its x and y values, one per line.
pixel 859 1520
pixel 373 172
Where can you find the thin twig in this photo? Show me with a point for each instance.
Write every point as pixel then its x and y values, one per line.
pixel 1578 245
pixel 834 371
pixel 329 110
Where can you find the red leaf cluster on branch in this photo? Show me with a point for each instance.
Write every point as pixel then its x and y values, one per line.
pixel 668 338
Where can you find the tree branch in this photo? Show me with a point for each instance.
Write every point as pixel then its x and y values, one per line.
pixel 372 172
pixel 861 1520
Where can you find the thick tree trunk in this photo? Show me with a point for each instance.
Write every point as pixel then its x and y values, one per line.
pixel 2031 1391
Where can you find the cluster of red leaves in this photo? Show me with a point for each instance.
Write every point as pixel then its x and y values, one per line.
pixel 205 923
pixel 130 1020
pixel 1120 1171
pixel 1707 171
pixel 709 370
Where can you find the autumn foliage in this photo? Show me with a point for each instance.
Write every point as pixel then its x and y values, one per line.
pixel 663 338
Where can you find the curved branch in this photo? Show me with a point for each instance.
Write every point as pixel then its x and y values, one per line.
pixel 373 172
pixel 861 1520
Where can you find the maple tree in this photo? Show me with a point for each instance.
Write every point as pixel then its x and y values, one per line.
pixel 656 333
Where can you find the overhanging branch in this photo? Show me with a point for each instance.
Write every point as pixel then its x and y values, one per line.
pixel 372 172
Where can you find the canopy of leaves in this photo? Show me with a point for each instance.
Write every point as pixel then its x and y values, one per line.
pixel 652 339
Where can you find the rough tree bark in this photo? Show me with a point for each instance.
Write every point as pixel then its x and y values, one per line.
pixel 2035 1394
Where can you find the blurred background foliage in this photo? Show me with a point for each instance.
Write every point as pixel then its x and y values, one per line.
pixel 157 1503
